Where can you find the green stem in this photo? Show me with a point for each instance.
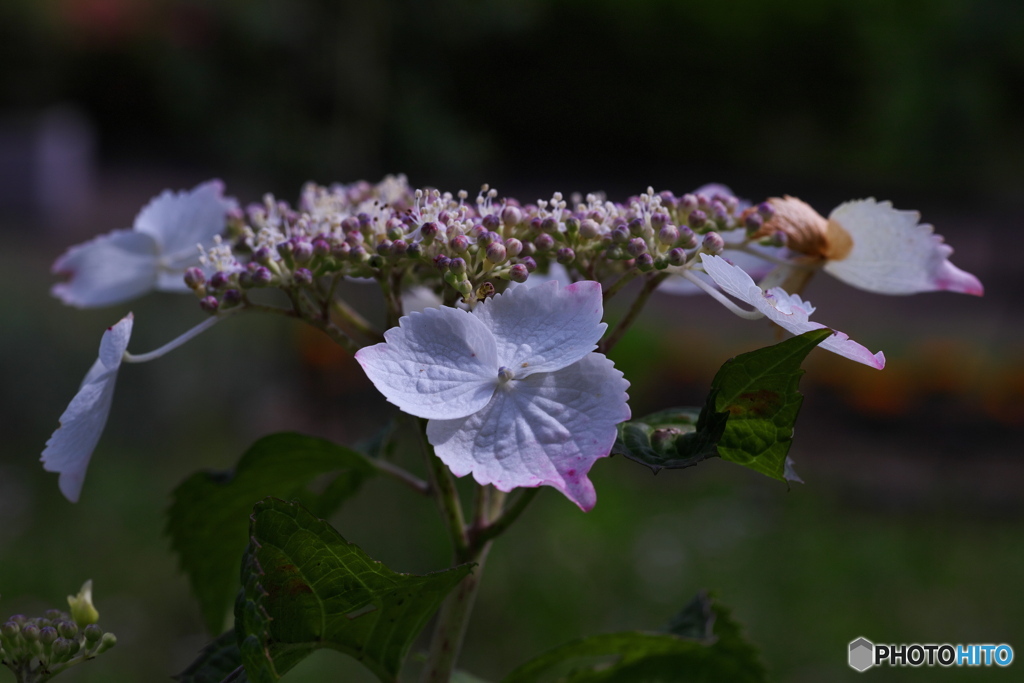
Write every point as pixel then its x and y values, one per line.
pixel 353 319
pixel 491 531
pixel 446 495
pixel 623 280
pixel 634 310
pixel 407 478
pixel 450 629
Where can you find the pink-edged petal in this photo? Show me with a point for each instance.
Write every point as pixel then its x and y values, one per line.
pixel 545 430
pixel 893 254
pixel 109 269
pixel 544 328
pixel 69 449
pixel 788 311
pixel 178 221
pixel 441 363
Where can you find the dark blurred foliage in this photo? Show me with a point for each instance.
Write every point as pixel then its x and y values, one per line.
pixel 916 92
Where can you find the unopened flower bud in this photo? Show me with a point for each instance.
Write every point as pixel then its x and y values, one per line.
pixel 47 635
pixel 383 247
pixel 285 249
pixel 354 239
pixel 61 650
pixel 511 216
pixel 491 222
pixel 496 252
pixel 194 278
pixel 753 222
pixel 457 265
pixel 620 235
pixel 676 256
pixel 544 242
pixel 488 238
pixel 302 277
pixel 713 243
pixel 529 262
pixel 589 229
pixel 668 234
pixel 302 252
pixel 67 629
pixel 518 273
pixel 209 304
pixel 82 609
pixel 636 227
pixel 357 253
pixel 572 225
pixel 398 248
pixel 464 287
pixel 395 230
pixel 616 253
pixel 697 218
pixel 441 262
pixel 430 231
pixel 476 232
pixel 485 290
pixel 659 220
pixel 549 225
pixel 645 262
pixel 636 246
pixel 10 629
pixel 459 244
pixel 413 250
pixel 30 632
pixel 565 255
pixel 375 261
pixel 321 248
pixel 92 633
pixel 261 277
pixel 687 238
pixel 513 247
pixel 53 614
pixel 219 280
pixel 766 210
pixel 529 249
pixel 232 297
pixel 718 213
pixel 350 225
pixel 687 202
pixel 108 641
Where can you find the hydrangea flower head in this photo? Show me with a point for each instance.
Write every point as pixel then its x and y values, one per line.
pixel 69 449
pixel 513 390
pixel 788 311
pixel 154 254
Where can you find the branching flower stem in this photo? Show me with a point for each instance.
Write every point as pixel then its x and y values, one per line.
pixel 613 337
pixel 721 298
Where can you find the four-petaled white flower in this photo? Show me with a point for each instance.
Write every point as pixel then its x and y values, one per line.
pixel 154 254
pixel 788 311
pixel 69 449
pixel 513 390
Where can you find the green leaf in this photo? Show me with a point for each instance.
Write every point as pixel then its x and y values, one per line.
pixel 208 519
pixel 304 587
pixel 639 656
pixel 671 439
pixel 216 663
pixel 759 392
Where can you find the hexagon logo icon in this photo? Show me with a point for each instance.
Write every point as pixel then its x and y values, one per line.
pixel 862 654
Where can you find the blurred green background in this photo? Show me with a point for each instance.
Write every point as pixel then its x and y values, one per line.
pixel 910 526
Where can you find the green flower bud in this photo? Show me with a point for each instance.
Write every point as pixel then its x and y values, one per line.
pixel 109 640
pixel 82 609
pixel 67 629
pixel 92 633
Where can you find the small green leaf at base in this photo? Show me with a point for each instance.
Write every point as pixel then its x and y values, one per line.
pixel 209 518
pixel 759 392
pixel 304 587
pixel 671 439
pixel 651 656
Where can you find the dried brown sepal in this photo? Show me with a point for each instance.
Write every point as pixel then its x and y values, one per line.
pixel 807 231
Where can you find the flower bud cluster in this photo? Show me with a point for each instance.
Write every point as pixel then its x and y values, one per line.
pixel 38 648
pixel 391 232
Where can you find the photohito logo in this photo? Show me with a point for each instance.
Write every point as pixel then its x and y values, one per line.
pixel 864 654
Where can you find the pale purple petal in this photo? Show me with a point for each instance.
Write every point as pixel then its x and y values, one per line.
pixel 441 363
pixel 178 221
pixel 893 254
pixel 544 328
pixel 109 269
pixel 788 311
pixel 547 429
pixel 69 449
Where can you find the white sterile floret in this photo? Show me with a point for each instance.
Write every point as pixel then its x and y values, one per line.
pixel 893 254
pixel 69 449
pixel 154 254
pixel 514 391
pixel 788 311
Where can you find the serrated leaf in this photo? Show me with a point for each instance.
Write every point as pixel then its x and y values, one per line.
pixel 759 392
pixel 639 656
pixel 671 439
pixel 216 662
pixel 208 520
pixel 305 587
pixel 696 620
